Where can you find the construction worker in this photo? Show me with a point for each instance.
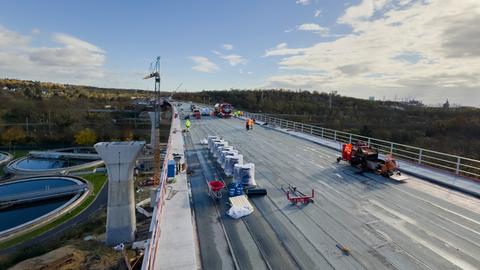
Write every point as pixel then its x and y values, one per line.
pixel 247 124
pixel 187 125
pixel 250 123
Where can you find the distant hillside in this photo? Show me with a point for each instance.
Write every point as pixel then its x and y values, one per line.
pixel 46 89
pixel 453 130
pixel 50 115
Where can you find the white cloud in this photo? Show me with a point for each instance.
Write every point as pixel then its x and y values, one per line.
pixel 203 64
pixel 312 27
pixel 425 49
pixel 75 52
pixel 35 31
pixel 11 39
pixel 73 42
pixel 362 11
pixel 318 12
pixel 302 2
pixel 234 59
pixel 74 60
pixel 281 49
pixel 227 47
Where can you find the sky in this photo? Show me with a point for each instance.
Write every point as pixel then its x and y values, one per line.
pixel 390 49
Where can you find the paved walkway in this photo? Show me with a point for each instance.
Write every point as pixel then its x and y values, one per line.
pixel 177 243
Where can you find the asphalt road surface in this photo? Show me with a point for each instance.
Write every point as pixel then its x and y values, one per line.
pixel 385 224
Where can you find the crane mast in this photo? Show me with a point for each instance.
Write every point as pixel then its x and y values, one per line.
pixel 155 73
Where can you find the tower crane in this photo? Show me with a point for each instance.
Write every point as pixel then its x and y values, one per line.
pixel 174 91
pixel 155 73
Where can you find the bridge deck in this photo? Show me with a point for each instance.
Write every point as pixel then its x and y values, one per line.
pixel 385 224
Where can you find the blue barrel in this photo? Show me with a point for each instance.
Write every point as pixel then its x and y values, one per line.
pixel 238 189
pixel 231 192
pixel 171 168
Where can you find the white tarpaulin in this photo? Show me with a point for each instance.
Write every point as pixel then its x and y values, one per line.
pixel 240 207
pixel 238 212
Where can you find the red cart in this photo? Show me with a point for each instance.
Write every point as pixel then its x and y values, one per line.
pixel 215 188
pixel 298 196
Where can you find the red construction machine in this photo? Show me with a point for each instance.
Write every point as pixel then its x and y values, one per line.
pixel 196 113
pixel 223 110
pixel 361 155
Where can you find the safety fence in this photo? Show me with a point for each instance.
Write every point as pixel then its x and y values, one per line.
pixel 155 225
pixel 456 164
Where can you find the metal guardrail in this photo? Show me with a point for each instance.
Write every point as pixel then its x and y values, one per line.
pixel 456 164
pixel 155 228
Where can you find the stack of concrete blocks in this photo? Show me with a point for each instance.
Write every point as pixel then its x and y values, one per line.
pixel 210 141
pixel 220 153
pixel 244 174
pixel 230 162
pixel 224 156
pixel 218 148
pixel 119 158
pixel 215 142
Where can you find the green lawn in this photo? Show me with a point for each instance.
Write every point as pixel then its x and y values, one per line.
pixel 97 181
pixel 20 153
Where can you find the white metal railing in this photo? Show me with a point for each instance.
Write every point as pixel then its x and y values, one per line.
pixel 456 164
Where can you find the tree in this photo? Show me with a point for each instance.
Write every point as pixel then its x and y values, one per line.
pixel 14 135
pixel 86 136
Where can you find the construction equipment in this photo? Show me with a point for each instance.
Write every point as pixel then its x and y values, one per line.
pixel 240 207
pixel 196 113
pixel 296 196
pixel 250 192
pixel 155 73
pixel 361 155
pixel 223 110
pixel 215 188
pixel 205 111
pixel 170 98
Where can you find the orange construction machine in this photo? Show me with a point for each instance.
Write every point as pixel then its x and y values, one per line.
pixel 362 156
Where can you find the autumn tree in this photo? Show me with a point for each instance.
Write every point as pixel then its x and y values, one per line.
pixel 86 136
pixel 14 135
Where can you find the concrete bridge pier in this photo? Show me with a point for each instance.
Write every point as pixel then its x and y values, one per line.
pixel 119 158
pixel 154 126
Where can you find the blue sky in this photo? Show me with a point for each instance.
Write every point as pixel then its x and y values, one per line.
pixel 362 48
